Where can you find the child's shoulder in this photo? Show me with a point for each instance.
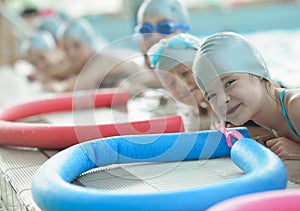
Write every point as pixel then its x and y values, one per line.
pixel 292 97
pixel 292 102
pixel 292 94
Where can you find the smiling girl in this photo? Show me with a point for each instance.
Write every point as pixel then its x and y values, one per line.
pixel 235 81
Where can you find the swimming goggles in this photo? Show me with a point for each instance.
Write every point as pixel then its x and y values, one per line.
pixel 180 42
pixel 163 27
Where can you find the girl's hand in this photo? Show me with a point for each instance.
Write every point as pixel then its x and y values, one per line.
pixel 284 148
pixel 263 138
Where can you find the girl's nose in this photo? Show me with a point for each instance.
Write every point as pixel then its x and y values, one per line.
pixel 72 54
pixel 223 99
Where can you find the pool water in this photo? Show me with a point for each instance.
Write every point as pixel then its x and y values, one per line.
pixel 281 51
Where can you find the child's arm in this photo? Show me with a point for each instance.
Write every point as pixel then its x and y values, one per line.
pixel 284 148
pixel 61 71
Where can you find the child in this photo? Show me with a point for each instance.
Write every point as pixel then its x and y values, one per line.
pixel 49 61
pixel 155 20
pixel 172 60
pixel 235 81
pixel 158 19
pixel 79 42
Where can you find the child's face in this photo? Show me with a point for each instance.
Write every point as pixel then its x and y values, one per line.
pixel 235 97
pixel 77 51
pixel 181 84
pixel 43 60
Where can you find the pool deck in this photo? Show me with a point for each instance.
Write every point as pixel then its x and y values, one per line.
pixel 19 164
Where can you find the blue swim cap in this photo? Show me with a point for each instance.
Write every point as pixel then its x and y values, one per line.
pixel 81 29
pixel 172 9
pixel 39 40
pixel 64 16
pixel 224 53
pixel 50 24
pixel 172 51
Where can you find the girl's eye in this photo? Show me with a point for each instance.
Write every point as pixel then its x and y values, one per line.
pixel 184 74
pixel 66 49
pixel 76 45
pixel 228 83
pixel 210 97
pixel 41 58
pixel 169 81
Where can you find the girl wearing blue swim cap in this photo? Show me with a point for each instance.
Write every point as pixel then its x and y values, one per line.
pixel 158 19
pixel 172 60
pixel 79 41
pixel 235 81
pixel 41 51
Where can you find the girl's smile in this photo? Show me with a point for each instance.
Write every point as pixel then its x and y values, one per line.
pixel 232 110
pixel 231 99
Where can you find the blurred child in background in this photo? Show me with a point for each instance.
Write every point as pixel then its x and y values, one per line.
pixel 49 61
pixel 158 19
pixel 94 65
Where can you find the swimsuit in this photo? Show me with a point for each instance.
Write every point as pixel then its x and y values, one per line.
pixel 285 114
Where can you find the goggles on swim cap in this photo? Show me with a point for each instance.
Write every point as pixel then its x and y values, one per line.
pixel 169 52
pixel 163 27
pixel 225 53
